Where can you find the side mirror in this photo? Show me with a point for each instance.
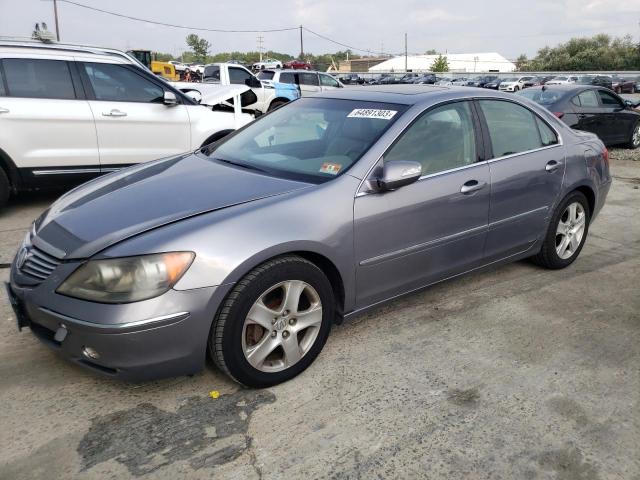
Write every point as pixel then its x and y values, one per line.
pixel 170 99
pixel 194 95
pixel 398 174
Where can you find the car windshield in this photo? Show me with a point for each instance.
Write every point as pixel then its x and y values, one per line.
pixel 512 79
pixel 266 75
pixel 543 97
pixel 311 139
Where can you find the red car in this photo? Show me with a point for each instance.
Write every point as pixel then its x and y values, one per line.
pixel 298 65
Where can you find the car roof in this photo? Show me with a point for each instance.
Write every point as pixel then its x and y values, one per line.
pixel 26 47
pixel 567 87
pixel 409 94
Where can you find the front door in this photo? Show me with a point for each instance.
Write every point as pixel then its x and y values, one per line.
pixel 527 167
pixel 132 122
pixel 433 228
pixel 309 83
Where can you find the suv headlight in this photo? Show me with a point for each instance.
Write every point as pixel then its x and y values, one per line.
pixel 128 279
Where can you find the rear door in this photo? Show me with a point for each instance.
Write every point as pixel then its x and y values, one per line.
pixel 46 125
pixel 526 165
pixel 132 122
pixel 309 83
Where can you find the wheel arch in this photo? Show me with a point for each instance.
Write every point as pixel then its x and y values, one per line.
pixel 10 170
pixel 278 99
pixel 589 193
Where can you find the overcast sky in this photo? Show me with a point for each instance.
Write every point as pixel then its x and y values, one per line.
pixel 459 26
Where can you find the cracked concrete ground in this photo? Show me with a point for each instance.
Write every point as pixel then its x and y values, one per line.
pixel 515 373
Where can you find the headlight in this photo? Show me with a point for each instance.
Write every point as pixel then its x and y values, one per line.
pixel 126 280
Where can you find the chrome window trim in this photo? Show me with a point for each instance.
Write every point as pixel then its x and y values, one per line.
pixel 504 157
pixel 65 171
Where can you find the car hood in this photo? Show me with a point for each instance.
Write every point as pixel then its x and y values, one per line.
pixel 110 209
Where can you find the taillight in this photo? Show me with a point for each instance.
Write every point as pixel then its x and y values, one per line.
pixel 559 114
pixel 605 156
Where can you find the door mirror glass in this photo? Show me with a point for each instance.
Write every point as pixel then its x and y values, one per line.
pixel 399 173
pixel 170 99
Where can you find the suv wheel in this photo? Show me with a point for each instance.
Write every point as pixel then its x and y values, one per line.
pixel 274 322
pixel 566 234
pixel 634 141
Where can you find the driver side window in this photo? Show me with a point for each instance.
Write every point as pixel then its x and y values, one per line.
pixel 441 139
pixel 238 76
pixel 117 83
pixel 608 100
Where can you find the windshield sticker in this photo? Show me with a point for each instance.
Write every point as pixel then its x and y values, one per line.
pixel 372 113
pixel 330 168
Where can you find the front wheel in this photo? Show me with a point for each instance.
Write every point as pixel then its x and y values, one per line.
pixel 567 233
pixel 274 323
pixel 634 141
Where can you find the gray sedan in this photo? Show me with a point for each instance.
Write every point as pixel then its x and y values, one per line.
pixel 251 248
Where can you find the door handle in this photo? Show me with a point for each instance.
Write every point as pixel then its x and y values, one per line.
pixel 4 110
pixel 472 186
pixel 114 113
pixel 552 166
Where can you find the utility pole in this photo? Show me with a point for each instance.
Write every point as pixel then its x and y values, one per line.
pixel 260 42
pixel 301 45
pixel 406 55
pixel 55 14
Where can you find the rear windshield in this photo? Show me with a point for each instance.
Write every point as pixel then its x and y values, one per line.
pixel 311 139
pixel 265 75
pixel 543 97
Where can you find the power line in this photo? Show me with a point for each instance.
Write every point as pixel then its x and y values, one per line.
pixel 342 44
pixel 185 27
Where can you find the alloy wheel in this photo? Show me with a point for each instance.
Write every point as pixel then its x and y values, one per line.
pixel 570 230
pixel 282 326
pixel 635 139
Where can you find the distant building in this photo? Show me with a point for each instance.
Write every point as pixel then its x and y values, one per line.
pixel 360 64
pixel 458 62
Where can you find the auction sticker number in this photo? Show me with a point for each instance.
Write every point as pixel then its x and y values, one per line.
pixel 372 113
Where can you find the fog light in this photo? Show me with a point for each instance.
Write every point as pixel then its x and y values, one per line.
pixel 90 352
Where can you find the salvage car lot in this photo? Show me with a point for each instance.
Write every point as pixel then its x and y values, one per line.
pixel 517 372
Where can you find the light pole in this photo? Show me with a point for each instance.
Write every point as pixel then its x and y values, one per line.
pixel 55 14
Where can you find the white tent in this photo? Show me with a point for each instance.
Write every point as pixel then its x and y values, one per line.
pixel 458 62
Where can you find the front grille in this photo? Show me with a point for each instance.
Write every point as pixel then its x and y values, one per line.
pixel 39 265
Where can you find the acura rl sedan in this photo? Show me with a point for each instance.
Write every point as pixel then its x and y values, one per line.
pixel 250 249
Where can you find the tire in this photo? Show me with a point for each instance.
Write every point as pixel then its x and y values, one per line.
pixel 549 256
pixel 276 104
pixel 516 89
pixel 5 188
pixel 634 141
pixel 234 337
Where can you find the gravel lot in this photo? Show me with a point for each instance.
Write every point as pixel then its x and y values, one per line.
pixel 514 373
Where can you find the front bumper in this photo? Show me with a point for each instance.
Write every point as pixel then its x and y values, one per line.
pixel 161 337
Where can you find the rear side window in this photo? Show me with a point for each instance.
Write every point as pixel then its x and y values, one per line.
pixel 212 74
pixel 308 79
pixel 117 83
pixel 547 135
pixel 586 99
pixel 512 127
pixel 35 78
pixel 287 77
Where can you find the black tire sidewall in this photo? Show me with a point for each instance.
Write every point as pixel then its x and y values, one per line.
pixel 234 357
pixel 5 188
pixel 556 261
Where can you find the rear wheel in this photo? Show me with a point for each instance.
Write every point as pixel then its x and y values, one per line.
pixel 567 233
pixel 5 188
pixel 274 322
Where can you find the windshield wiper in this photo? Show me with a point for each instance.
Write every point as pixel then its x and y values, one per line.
pixel 242 165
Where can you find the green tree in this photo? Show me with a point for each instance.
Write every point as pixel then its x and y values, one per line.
pixel 600 52
pixel 199 46
pixel 440 64
pixel 431 51
pixel 522 62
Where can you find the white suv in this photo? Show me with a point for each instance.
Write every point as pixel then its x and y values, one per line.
pixel 70 113
pixel 309 82
pixel 513 84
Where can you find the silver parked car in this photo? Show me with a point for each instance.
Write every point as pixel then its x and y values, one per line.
pixel 251 248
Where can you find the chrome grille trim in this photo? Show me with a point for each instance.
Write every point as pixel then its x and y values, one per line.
pixel 39 265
